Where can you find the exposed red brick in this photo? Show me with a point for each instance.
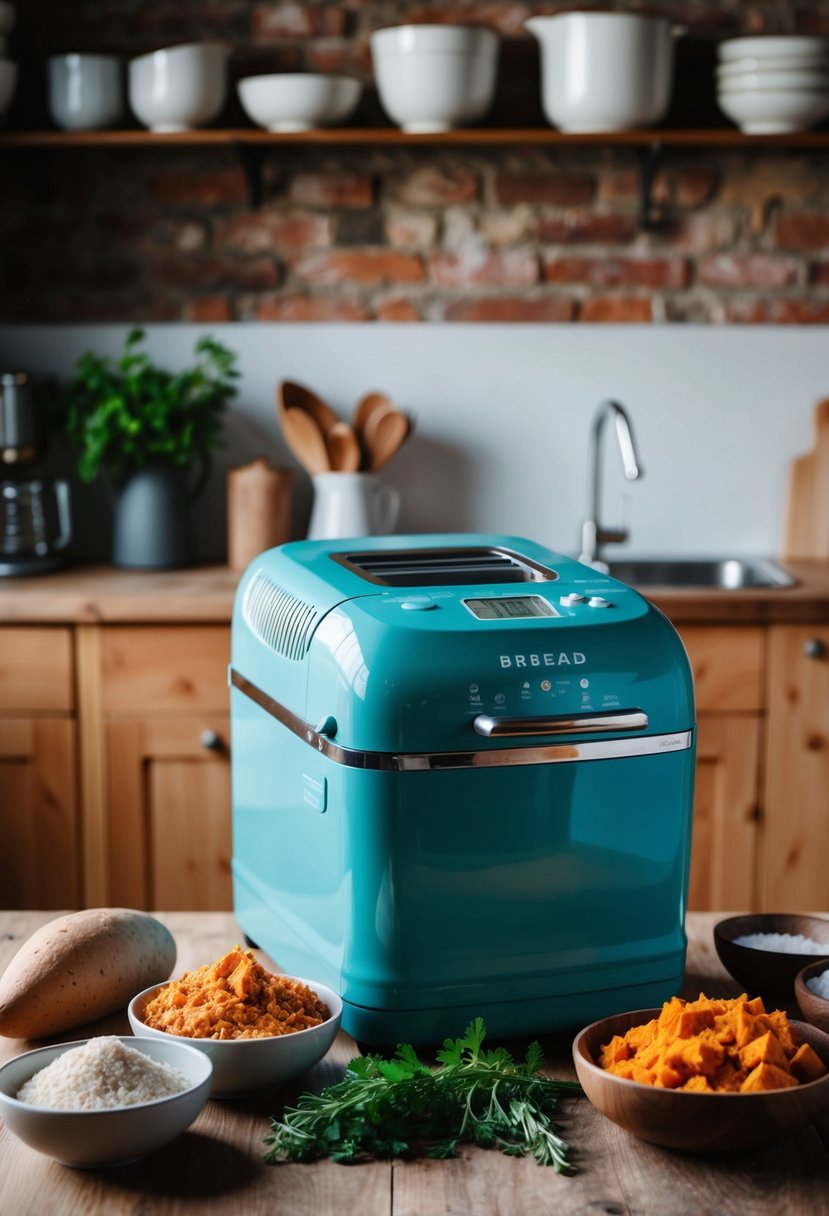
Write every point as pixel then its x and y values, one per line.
pixel 703 231
pixel 760 184
pixel 617 310
pixel 803 230
pixel 508 226
pixel 397 309
pixel 510 308
pixel 411 230
pixel 351 58
pixel 433 186
pixel 619 185
pixel 691 187
pixel 215 309
pixel 260 231
pixel 553 189
pixel 820 274
pixel 207 273
pixel 801 311
pixel 208 187
pixel 331 189
pixel 297 20
pixel 585 227
pixel 501 268
pixel 505 17
pixel 619 272
pixel 359 266
pixel 747 270
pixel 310 308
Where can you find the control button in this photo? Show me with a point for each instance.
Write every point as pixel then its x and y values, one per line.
pixel 598 601
pixel 569 601
pixel 418 603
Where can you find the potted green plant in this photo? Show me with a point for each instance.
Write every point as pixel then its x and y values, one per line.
pixel 151 432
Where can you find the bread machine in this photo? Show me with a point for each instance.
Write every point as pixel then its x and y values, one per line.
pixel 462 783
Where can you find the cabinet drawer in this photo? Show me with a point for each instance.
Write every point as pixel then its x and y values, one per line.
pixel 159 667
pixel 729 667
pixel 36 669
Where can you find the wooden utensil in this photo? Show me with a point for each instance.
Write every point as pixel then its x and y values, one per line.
pixel 297 396
pixel 258 510
pixel 344 452
pixel 305 439
pixel 807 519
pixel 369 404
pixel 385 431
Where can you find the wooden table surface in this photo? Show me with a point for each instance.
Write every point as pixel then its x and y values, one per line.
pixel 217 1166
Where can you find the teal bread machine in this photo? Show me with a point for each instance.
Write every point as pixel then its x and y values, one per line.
pixel 462 783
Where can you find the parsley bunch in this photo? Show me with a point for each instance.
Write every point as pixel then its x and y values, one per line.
pixel 400 1107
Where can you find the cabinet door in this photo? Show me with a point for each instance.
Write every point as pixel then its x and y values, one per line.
pixel 726 815
pixel 39 861
pixel 169 821
pixel 796 836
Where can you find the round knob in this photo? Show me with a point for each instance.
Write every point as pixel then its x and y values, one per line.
pixel 211 740
pixel 815 648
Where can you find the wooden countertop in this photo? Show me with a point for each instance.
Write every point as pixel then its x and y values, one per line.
pixel 205 594
pixel 216 1167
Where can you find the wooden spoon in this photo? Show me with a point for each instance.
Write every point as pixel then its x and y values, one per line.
pixel 305 439
pixel 343 449
pixel 297 396
pixel 369 403
pixel 384 434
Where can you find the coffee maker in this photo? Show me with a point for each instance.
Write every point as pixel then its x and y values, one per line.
pixel 35 521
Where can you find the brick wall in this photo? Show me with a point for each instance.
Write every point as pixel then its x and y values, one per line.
pixel 422 234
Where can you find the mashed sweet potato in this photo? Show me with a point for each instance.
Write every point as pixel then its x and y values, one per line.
pixel 234 998
pixel 708 1045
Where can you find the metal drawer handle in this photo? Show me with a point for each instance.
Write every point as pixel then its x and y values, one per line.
pixel 626 719
pixel 815 648
pixel 211 740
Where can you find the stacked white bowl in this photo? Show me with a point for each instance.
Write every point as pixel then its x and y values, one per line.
pixel 772 84
pixel 8 67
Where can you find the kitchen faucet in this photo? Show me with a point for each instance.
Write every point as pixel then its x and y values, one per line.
pixel 593 534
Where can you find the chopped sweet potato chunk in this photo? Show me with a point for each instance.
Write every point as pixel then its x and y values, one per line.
pixel 722 1046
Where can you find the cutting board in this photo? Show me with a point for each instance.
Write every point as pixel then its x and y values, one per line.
pixel 806 535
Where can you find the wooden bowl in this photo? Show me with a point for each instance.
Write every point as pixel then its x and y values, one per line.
pixel 767 971
pixel 697 1122
pixel 814 1008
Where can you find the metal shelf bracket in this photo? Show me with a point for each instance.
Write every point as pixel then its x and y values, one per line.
pixel 252 158
pixel 649 218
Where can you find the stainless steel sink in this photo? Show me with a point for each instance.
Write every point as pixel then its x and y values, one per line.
pixel 724 573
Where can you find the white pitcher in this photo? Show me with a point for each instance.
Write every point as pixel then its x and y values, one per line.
pixel 352 504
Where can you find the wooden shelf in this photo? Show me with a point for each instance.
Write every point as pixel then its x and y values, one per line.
pixel 391 137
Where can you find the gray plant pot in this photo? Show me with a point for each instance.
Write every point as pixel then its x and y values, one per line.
pixel 153 525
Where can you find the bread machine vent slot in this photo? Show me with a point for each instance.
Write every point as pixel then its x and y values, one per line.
pixel 279 619
pixel 446 567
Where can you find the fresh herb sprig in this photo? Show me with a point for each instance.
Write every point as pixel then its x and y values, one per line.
pixel 402 1107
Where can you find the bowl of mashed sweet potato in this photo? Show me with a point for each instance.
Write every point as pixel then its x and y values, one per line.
pixel 711 1075
pixel 259 1028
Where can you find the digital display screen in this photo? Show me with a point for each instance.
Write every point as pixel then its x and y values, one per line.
pixel 510 608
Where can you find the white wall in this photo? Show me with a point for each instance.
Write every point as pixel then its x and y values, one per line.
pixel 504 413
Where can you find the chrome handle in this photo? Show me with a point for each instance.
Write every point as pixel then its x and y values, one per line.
pixel 815 648
pixel 627 719
pixel 211 741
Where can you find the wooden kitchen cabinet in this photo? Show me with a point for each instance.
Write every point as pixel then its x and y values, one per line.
pixel 39 819
pixel 167 759
pixel 729 674
pixel 794 873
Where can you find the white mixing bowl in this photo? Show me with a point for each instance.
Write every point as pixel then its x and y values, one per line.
pixel 774 111
pixel 180 87
pixel 605 71
pixel 434 77
pixel 298 102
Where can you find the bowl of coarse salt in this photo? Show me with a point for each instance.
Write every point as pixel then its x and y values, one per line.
pixel 104 1101
pixel 765 951
pixel 811 990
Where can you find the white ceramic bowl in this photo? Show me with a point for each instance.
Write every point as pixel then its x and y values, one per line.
pixel 86 92
pixel 605 71
pixel 774 111
pixel 434 77
pixel 179 88
pixel 92 1138
pixel 8 16
pixel 8 83
pixel 248 1066
pixel 774 46
pixel 749 82
pixel 782 63
pixel 296 102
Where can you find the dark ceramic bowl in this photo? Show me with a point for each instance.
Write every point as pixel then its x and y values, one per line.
pixel 814 1008
pixel 697 1122
pixel 767 972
